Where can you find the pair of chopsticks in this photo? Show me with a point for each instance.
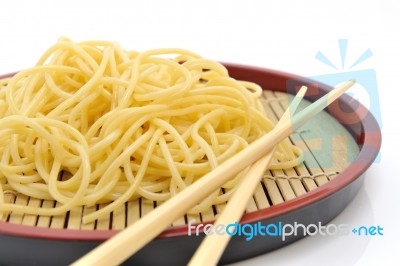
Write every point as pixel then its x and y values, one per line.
pixel 127 242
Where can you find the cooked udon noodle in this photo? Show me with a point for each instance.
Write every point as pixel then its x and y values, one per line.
pixel 93 123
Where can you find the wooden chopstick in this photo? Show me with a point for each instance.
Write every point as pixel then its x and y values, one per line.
pixel 213 245
pixel 127 242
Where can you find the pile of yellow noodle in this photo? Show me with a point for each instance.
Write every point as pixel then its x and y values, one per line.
pixel 93 123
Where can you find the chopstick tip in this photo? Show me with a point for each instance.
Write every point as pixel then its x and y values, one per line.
pixel 303 89
pixel 348 84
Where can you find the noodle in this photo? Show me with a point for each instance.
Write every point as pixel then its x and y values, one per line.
pixel 92 123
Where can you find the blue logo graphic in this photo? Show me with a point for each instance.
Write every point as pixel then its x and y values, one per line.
pixel 366 88
pixel 364 91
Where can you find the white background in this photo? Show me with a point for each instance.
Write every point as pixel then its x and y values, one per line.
pixel 283 35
